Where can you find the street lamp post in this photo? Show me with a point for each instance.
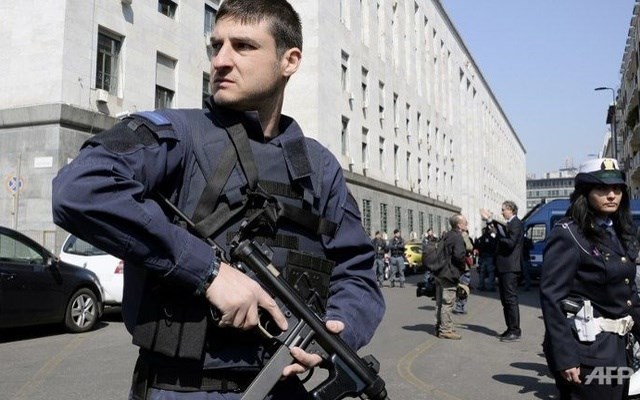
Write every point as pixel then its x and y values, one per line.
pixel 614 136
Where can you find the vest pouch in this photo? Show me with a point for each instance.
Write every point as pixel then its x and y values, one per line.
pixel 172 323
pixel 310 276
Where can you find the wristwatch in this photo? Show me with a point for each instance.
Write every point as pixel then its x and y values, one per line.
pixel 211 275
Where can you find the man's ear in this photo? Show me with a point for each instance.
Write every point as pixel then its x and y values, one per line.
pixel 291 61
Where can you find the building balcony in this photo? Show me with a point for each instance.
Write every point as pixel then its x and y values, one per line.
pixel 634 138
pixel 634 167
pixel 632 104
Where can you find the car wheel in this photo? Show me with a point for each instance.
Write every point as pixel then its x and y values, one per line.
pixel 82 311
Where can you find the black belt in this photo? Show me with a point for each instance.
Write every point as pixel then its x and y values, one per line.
pixel 177 379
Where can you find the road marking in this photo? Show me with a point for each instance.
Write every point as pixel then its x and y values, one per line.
pixel 32 384
pixel 405 364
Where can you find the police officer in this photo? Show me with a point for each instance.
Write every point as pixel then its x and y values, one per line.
pixel 206 163
pixel 588 295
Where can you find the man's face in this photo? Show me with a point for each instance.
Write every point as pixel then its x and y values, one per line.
pixel 463 224
pixel 246 72
pixel 507 213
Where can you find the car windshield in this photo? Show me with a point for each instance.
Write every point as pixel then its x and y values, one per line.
pixel 81 248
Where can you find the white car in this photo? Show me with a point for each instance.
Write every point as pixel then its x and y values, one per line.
pixel 108 268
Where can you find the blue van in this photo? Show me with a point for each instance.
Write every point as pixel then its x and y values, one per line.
pixel 539 221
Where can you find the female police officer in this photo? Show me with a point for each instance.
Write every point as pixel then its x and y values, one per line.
pixel 588 295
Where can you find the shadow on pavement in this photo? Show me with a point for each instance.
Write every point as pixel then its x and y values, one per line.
pixel 529 385
pixel 428 328
pixel 480 329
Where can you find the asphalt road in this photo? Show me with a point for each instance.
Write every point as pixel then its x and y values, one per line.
pixel 47 363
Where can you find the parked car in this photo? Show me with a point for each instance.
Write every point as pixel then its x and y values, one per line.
pixel 37 288
pixel 108 268
pixel 413 257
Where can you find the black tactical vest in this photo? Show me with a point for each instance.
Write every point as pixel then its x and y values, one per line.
pixel 174 323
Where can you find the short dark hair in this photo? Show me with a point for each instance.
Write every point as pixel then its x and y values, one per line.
pixel 455 220
pixel 284 21
pixel 396 231
pixel 511 206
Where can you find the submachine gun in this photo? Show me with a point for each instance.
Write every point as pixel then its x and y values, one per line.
pixel 349 375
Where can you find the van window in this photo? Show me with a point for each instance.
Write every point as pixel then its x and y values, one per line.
pixel 537 232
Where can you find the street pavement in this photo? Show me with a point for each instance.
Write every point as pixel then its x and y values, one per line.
pixel 47 363
pixel 417 365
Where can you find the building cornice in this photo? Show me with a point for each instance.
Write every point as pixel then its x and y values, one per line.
pixel 395 191
pixel 65 115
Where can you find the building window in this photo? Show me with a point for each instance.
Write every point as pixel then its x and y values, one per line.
pixel 421 229
pixel 167 7
pixel 344 75
pixel 365 148
pixel 344 137
pixel 398 218
pixel 165 81
pixel 381 99
pixel 366 216
pixel 164 97
pixel 381 153
pixel 365 91
pixel 384 213
pixel 395 163
pixel 396 113
pixel 108 63
pixel 210 11
pixel 206 89
pixel 410 220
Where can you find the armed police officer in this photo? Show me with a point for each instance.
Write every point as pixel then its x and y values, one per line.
pixel 205 162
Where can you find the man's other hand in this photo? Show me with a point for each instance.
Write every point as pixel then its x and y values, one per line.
pixel 307 361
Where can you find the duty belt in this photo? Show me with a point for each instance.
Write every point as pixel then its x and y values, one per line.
pixel 147 375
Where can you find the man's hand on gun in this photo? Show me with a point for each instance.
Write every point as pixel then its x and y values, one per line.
pixel 238 298
pixel 306 361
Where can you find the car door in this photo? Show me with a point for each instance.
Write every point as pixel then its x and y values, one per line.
pixel 30 291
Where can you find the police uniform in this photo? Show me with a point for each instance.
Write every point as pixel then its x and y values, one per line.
pixel 603 273
pixel 106 196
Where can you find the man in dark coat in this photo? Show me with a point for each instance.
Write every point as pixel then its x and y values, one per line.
pixel 508 264
pixel 447 279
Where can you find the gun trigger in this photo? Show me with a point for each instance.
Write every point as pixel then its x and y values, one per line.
pixel 264 331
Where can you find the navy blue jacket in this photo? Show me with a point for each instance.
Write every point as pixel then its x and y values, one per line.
pixel 602 273
pixel 103 196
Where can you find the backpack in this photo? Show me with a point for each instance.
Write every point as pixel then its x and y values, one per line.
pixel 434 255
